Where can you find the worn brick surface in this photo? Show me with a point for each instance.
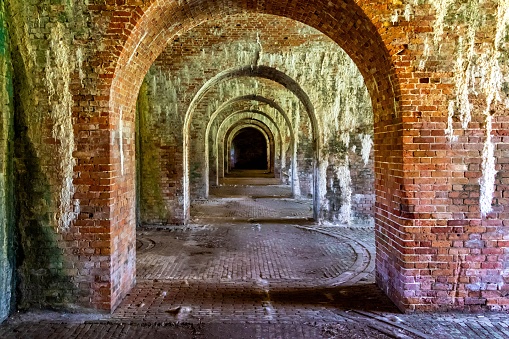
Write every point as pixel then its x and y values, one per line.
pixel 77 71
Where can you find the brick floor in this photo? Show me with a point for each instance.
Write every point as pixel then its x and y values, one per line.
pixel 229 276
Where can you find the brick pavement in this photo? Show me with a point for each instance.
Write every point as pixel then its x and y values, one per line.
pixel 241 279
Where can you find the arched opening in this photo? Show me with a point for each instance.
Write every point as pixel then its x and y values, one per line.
pixel 273 116
pixel 73 75
pixel 306 185
pixel 249 150
pixel 240 109
pixel 275 156
pixel 371 57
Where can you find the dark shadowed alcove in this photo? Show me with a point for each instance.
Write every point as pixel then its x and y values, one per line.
pixel 249 150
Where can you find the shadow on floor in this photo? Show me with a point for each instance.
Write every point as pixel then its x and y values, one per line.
pixel 366 297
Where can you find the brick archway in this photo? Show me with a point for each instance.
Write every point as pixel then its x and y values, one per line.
pixel 270 103
pixel 261 128
pixel 244 115
pixel 255 71
pixel 349 24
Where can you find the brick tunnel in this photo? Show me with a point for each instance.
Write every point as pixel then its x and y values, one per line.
pixel 121 115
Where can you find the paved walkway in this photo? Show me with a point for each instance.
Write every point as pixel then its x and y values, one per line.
pixel 251 265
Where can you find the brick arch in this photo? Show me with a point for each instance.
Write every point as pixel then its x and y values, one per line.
pixel 351 24
pixel 255 114
pixel 254 97
pixel 270 129
pixel 264 72
pixel 235 129
pixel 257 98
pixel 354 24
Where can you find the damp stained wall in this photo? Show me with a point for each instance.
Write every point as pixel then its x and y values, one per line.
pixel 51 42
pixel 337 96
pixel 7 250
pixel 437 73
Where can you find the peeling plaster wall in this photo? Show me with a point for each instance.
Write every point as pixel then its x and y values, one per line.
pixel 324 72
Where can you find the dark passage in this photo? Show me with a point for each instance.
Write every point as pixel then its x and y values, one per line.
pixel 249 150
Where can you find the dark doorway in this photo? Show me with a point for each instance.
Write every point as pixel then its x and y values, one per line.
pixel 249 150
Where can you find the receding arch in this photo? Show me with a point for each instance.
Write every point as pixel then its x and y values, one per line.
pixel 271 103
pixel 255 116
pixel 350 24
pixel 264 72
pixel 268 73
pixel 242 127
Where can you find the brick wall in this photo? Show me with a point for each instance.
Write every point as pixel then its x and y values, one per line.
pixel 7 260
pixel 440 138
pixel 405 102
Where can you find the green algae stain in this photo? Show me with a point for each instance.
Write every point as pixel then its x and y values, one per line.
pixel 151 202
pixel 7 255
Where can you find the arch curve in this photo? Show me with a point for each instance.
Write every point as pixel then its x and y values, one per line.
pixel 241 126
pixel 252 115
pixel 354 25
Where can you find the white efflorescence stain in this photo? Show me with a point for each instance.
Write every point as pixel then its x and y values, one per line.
pixel 80 60
pixel 345 183
pixel 449 132
pixel 478 75
pixel 121 141
pixel 367 145
pixel 59 67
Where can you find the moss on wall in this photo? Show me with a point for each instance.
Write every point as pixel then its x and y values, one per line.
pixel 39 259
pixel 7 258
pixel 46 63
pixel 151 204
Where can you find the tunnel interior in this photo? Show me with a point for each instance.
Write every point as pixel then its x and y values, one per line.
pixel 249 150
pixel 124 115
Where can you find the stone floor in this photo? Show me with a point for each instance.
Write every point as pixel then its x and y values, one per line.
pixel 252 265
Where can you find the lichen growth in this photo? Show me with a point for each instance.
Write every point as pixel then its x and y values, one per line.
pixel 478 72
pixel 59 69
pixel 492 88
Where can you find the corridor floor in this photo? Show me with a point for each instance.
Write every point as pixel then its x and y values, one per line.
pixel 253 265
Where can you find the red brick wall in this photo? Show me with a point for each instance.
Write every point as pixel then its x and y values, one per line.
pixel 366 66
pixel 434 251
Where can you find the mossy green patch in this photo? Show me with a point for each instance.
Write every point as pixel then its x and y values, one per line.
pixel 151 203
pixel 41 278
pixel 7 255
